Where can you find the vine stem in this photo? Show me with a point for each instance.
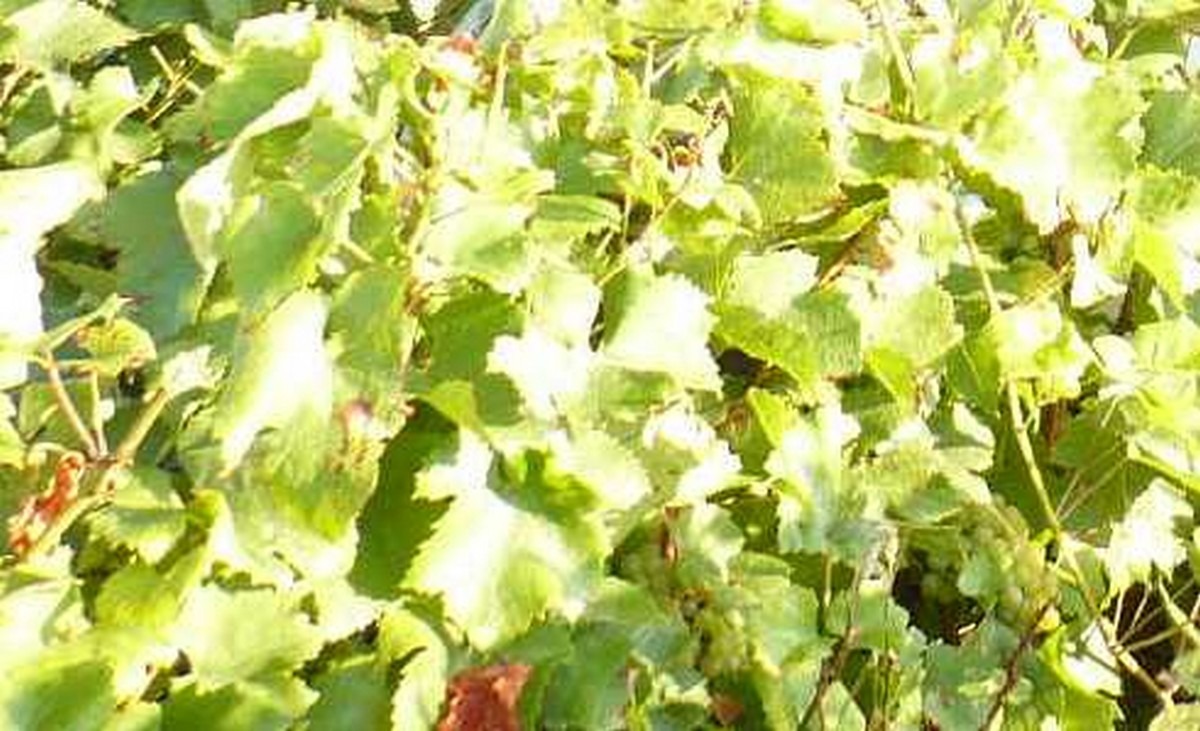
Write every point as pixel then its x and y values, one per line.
pixel 832 667
pixel 1025 446
pixel 1012 395
pixel 128 447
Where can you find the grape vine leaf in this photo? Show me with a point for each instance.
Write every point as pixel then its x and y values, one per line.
pixel 777 148
pixel 1166 223
pixel 661 325
pixel 353 695
pixel 1146 538
pixel 272 703
pixel 281 371
pixel 51 33
pixel 32 202
pixel 225 648
pixel 1077 127
pixel 428 659
pixel 1172 124
pixel 522 561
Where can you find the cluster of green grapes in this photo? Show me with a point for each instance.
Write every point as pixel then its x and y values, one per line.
pixel 1020 581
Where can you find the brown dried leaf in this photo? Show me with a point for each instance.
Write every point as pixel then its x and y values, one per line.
pixel 485 698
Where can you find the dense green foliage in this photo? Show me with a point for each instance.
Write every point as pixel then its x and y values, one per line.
pixel 649 364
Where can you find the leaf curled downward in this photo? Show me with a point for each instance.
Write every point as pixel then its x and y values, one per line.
pixel 485 698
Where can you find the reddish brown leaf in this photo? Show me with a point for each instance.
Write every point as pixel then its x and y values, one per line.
pixel 39 511
pixel 726 709
pixel 485 698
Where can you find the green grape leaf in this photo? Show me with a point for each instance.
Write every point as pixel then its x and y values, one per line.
pixel 818 338
pixel 145 514
pixel 46 33
pixel 483 239
pixel 60 695
pixel 1166 209
pixel 393 524
pixel 32 202
pixel 661 325
pixel 270 56
pixel 276 702
pixel 830 21
pixel 354 695
pixel 548 375
pixel 523 562
pixel 1146 538
pixel 957 79
pixel 962 681
pixel 815 495
pixel 1074 127
pixel 776 148
pixel 281 371
pixel 373 336
pixel 1172 127
pixel 271 246
pixel 156 266
pixel 225 635
pixel 769 283
pixel 428 658
pixel 780 617
pixel 920 326
pixel 590 690
pixel 117 345
pixel 1033 342
pixel 563 303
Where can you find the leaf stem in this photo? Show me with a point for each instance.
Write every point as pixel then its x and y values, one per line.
pixel 907 78
pixel 67 406
pixel 97 413
pixel 141 427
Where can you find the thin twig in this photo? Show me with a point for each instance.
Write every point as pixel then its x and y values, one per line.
pixel 830 670
pixel 1140 622
pixel 1129 663
pixel 1177 615
pixel 832 667
pixel 1011 672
